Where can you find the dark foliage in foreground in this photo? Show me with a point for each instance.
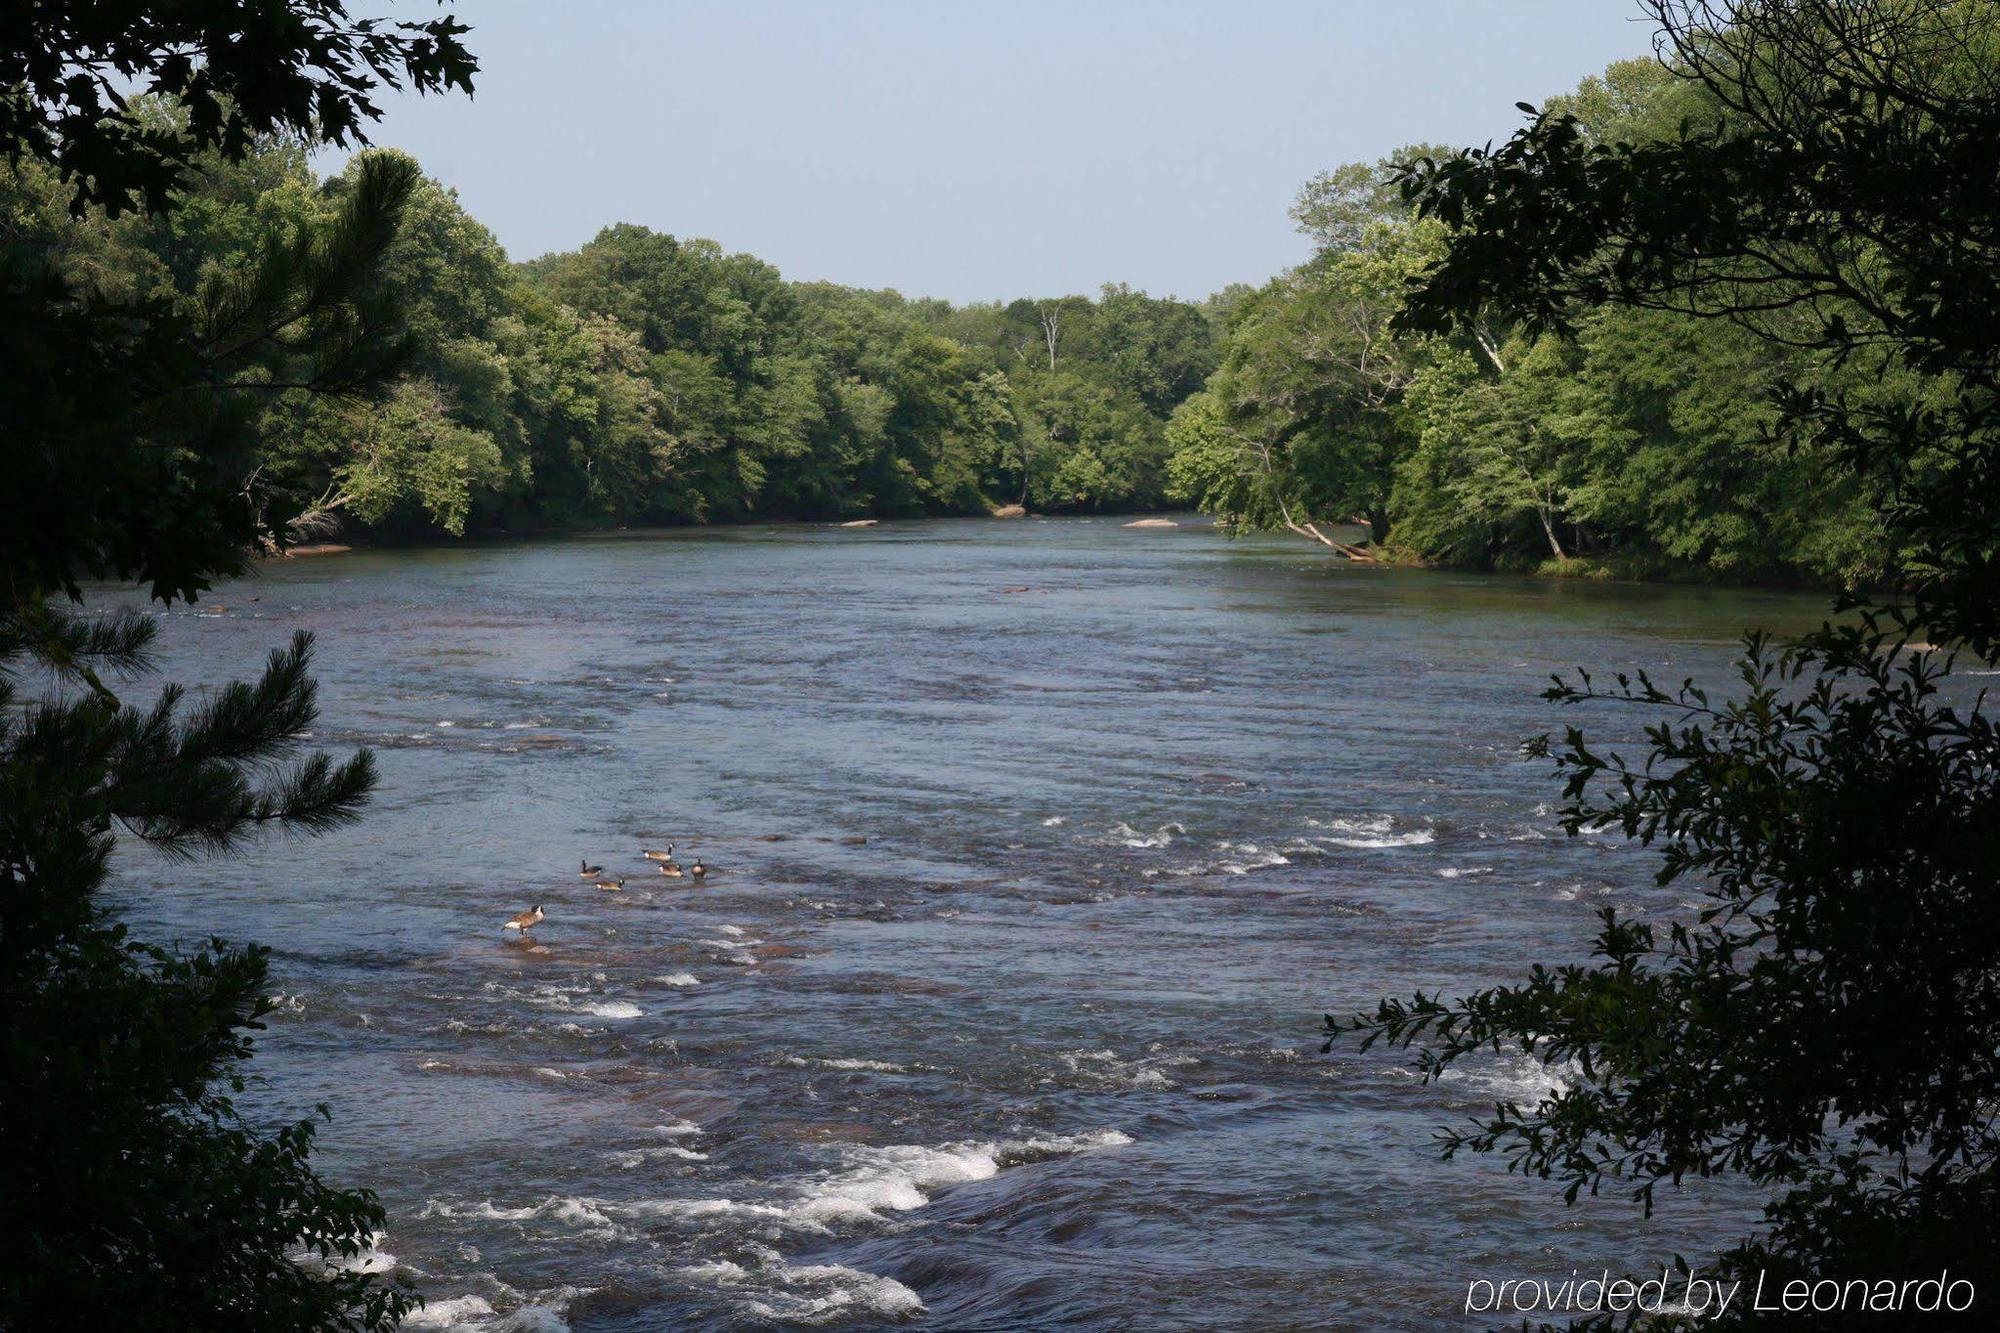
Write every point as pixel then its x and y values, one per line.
pixel 133 1193
pixel 1828 1026
pixel 244 70
pixel 1830 1023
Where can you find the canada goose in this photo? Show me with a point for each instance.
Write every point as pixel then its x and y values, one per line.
pixel 588 870
pixel 524 921
pixel 698 870
pixel 670 870
pixel 618 883
pixel 666 855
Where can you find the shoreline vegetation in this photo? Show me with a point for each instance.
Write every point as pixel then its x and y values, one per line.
pixel 652 380
pixel 1382 557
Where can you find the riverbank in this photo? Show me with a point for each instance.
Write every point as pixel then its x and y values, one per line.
pixel 1585 569
pixel 1611 569
pixel 425 541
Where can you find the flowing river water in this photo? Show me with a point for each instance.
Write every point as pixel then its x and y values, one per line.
pixel 1038 849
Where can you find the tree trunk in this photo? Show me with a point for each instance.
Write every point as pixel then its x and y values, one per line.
pixel 1542 513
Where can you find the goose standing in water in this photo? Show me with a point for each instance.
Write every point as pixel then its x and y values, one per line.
pixel 588 870
pixel 667 855
pixel 524 921
pixel 613 884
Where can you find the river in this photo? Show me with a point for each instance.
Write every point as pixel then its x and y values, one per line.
pixel 1037 851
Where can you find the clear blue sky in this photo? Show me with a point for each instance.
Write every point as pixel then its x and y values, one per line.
pixel 974 149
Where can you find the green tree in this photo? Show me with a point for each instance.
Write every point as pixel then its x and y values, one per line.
pixel 133 1191
pixel 1495 455
pixel 1312 378
pixel 1827 1025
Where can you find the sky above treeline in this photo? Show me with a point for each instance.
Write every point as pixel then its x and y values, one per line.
pixel 975 149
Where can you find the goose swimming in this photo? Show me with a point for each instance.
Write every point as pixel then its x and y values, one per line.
pixel 665 855
pixel 618 883
pixel 670 870
pixel 698 870
pixel 524 921
pixel 588 870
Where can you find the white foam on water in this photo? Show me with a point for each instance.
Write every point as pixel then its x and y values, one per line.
pixel 1054 821
pixel 1107 1069
pixel 458 1312
pixel 903 1177
pixel 878 1066
pixel 1251 857
pixel 486 1211
pixel 1371 833
pixel 873 1066
pixel 573 1211
pixel 677 1127
pixel 878 1180
pixel 370 1260
pixel 581 1213
pixel 1372 824
pixel 1522 1079
pixel 1515 1077
pixel 697 1209
pixel 678 979
pixel 1127 836
pixel 729 944
pixel 556 995
pixel 547 1313
pixel 634 1157
pixel 1414 838
pixel 732 930
pixel 808 1293
pixel 1453 872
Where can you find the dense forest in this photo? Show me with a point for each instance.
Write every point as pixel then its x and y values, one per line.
pixel 646 379
pixel 1643 445
pixel 651 379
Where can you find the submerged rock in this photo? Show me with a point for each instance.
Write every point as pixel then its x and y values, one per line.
pixel 861 523
pixel 1152 523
